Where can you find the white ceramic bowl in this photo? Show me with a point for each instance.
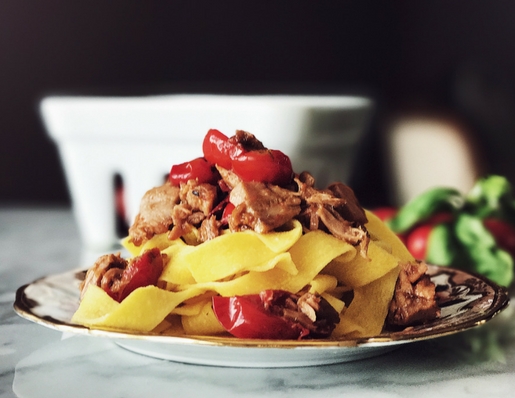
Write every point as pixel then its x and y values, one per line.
pixel 140 138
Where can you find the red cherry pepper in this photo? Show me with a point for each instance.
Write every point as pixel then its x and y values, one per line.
pixel 219 149
pixel 144 270
pixel 267 165
pixel 263 165
pixel 246 317
pixel 197 169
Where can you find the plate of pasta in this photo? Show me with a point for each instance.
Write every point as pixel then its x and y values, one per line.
pixel 466 301
pixel 236 260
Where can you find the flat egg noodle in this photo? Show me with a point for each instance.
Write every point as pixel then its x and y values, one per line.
pixel 143 310
pixel 310 254
pixel 234 253
pixel 203 323
pixel 322 283
pixel 379 231
pixel 361 271
pixel 365 316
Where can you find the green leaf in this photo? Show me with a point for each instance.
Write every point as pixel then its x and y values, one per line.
pixel 424 206
pixel 495 264
pixel 485 256
pixel 491 196
pixel 442 248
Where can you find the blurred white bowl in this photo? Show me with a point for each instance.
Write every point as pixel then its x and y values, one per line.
pixel 140 138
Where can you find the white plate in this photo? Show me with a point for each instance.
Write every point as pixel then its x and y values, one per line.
pixel 466 301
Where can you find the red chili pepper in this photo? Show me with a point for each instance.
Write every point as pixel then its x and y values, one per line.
pixel 246 317
pixel 264 165
pixel 144 270
pixel 197 169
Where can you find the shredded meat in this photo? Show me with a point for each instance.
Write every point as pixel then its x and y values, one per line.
pixel 335 210
pixel 155 213
pixel 310 311
pixel 262 207
pixel 107 270
pixel 209 229
pixel 414 300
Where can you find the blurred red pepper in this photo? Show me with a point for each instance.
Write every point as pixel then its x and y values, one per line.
pixel 385 213
pixel 417 241
pixel 503 233
pixel 197 169
pixel 432 240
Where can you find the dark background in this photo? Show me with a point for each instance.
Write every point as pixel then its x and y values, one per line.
pixel 453 57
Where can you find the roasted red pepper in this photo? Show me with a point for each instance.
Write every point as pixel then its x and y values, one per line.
pixel 263 165
pixel 197 169
pixel 141 271
pixel 266 165
pixel 219 149
pixel 275 314
pixel 245 317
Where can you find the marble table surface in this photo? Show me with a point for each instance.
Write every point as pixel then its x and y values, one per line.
pixel 40 362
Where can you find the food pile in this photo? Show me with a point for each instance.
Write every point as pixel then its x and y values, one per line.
pixel 235 242
pixel 474 232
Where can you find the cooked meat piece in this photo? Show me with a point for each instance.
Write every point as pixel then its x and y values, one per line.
pixel 343 229
pixel 209 229
pixel 310 310
pixel 414 300
pixel 262 207
pixel 109 266
pixel 351 209
pixel 198 196
pixel 248 141
pixel 181 217
pixel 155 213
pixel 229 179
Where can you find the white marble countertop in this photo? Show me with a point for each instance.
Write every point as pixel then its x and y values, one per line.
pixel 40 362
